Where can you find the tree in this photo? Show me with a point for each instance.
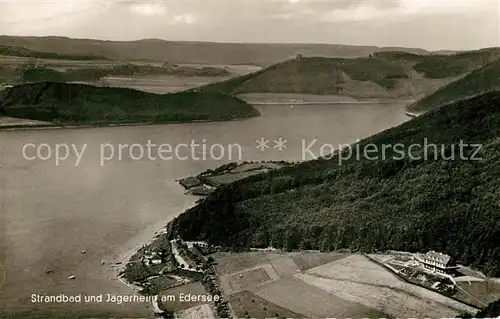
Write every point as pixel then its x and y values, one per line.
pixel 163 254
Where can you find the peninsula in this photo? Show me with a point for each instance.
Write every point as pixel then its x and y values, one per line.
pixel 64 104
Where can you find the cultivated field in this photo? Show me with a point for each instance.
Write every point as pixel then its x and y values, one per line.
pixel 357 279
pixel 228 263
pixel 248 304
pixel 197 312
pixel 247 279
pixel 301 297
pixel 285 266
pixel 307 260
pixel 315 284
pixel 195 288
pixel 160 84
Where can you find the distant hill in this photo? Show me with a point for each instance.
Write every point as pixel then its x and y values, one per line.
pixel 484 79
pixel 41 74
pixel 191 52
pixel 399 198
pixel 31 73
pixel 384 74
pixel 23 52
pixel 64 103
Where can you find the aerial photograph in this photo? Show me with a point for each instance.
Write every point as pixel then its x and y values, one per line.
pixel 249 159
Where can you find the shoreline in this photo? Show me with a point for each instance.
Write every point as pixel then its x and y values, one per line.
pixel 412 114
pixel 117 261
pixel 30 126
pixel 325 102
pixel 49 126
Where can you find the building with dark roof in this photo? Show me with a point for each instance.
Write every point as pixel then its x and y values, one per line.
pixel 437 262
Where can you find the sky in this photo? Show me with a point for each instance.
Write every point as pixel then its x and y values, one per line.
pixel 428 24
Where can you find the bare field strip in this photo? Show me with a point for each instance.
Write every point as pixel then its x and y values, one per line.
pixel 307 260
pixel 246 279
pixel 381 258
pixel 300 297
pixel 356 268
pixel 285 266
pixel 246 303
pixel 199 312
pixel 228 263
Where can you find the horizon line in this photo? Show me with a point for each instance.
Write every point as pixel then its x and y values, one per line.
pixel 247 43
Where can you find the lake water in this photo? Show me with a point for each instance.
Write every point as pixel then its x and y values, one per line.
pixel 50 212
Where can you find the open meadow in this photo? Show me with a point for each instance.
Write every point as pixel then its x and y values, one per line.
pixel 357 279
pixel 316 284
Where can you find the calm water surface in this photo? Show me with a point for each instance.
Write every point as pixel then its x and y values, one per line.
pixel 51 213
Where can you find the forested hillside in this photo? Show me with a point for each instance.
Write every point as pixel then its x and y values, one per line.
pixel 482 80
pixel 383 73
pixel 64 103
pixel 446 200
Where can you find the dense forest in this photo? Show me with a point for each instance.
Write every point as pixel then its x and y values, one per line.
pixel 439 198
pixel 84 104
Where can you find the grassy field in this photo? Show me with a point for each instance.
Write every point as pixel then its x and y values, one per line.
pixel 208 181
pixel 228 263
pixel 316 284
pixel 195 288
pixel 285 266
pixel 366 272
pixel 248 305
pixel 359 280
pixel 244 280
pixel 308 260
pixel 82 104
pixel 301 297
pixel 197 312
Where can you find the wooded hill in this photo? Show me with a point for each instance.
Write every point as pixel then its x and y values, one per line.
pixel 416 203
pixel 384 74
pixel 158 50
pixel 64 103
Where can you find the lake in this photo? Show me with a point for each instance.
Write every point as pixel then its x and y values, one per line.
pixel 51 211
